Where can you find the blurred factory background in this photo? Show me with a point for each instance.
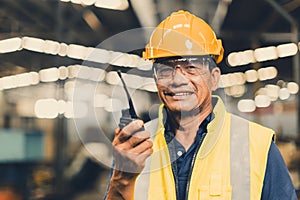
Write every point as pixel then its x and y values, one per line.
pixel 61 98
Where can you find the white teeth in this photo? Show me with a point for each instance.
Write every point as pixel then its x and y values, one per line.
pixel 178 94
pixel 182 94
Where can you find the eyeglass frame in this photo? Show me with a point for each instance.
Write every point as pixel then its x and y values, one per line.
pixel 163 61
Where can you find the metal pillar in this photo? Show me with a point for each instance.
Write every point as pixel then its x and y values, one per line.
pixel 60 138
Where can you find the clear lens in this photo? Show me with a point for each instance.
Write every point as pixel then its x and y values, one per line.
pixel 166 69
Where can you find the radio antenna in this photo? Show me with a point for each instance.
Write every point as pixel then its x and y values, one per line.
pixel 131 107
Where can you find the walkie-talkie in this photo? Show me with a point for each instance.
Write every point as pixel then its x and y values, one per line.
pixel 128 115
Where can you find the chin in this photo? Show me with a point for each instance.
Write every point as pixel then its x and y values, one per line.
pixel 180 108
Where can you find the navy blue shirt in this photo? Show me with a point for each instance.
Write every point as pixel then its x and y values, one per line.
pixel 182 160
pixel 277 182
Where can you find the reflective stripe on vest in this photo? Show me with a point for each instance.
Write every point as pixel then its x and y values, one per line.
pixel 239 158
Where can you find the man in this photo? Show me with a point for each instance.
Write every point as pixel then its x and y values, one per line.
pixel 199 151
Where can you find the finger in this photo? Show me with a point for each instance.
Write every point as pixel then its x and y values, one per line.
pixel 138 138
pixel 118 137
pixel 117 132
pixel 143 156
pixel 133 126
pixel 142 147
pixel 122 135
pixel 140 158
pixel 135 141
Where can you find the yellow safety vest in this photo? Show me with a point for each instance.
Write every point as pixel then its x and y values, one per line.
pixel 230 163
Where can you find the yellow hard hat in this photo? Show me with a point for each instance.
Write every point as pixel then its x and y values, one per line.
pixel 183 34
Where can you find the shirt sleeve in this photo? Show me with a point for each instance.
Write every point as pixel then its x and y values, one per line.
pixel 108 182
pixel 277 181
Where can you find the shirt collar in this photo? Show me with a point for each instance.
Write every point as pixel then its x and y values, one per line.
pixel 169 132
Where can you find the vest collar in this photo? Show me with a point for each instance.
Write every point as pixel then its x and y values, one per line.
pixel 213 128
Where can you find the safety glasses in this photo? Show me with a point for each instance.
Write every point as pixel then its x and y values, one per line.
pixel 165 69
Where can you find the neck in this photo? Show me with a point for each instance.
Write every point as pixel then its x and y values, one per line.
pixel 187 124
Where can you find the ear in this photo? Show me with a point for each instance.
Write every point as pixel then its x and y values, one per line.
pixel 215 77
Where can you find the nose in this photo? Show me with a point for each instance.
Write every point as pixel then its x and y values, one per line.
pixel 179 76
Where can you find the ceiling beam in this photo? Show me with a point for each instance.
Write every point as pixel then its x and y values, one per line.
pixel 220 15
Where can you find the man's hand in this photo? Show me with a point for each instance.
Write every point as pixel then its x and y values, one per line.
pixel 131 148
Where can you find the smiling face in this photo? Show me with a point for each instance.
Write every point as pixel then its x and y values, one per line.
pixel 188 86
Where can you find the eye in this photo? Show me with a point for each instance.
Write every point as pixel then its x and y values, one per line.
pixel 164 70
pixel 191 69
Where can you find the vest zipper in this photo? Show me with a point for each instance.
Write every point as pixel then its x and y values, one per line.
pixel 192 167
